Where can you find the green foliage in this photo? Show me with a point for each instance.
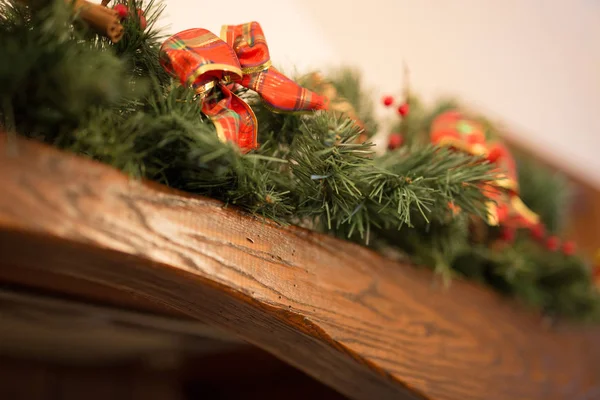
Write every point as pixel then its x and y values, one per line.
pixel 552 281
pixel 525 269
pixel 545 191
pixel 348 83
pixel 414 127
pixel 138 48
pixel 49 77
pixel 115 104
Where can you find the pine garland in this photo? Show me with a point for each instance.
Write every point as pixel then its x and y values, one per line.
pixel 549 280
pixel 115 104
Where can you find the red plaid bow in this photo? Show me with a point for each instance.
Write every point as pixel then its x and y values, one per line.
pixel 208 64
pixel 505 207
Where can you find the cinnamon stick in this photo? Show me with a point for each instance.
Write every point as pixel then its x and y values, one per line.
pixel 104 21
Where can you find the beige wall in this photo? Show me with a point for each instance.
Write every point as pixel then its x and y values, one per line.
pixel 535 64
pixel 295 39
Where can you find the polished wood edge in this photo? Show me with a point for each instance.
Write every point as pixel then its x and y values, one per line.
pixel 367 326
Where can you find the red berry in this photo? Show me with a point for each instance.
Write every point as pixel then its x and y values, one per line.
pixel 495 154
pixel 143 23
pixel 538 232
pixel 569 248
pixel 122 10
pixel 507 235
pixel 404 109
pixel 395 140
pixel 552 243
pixel 387 101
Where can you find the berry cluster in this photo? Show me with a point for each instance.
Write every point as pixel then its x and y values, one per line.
pixel 402 109
pixel 538 233
pixel 123 12
pixel 396 140
pixel 552 243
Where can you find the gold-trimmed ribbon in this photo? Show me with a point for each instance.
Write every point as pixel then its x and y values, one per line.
pixel 209 64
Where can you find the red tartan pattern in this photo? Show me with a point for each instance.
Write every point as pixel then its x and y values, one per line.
pixel 249 43
pixel 454 130
pixel 197 57
pixel 233 118
pixel 203 61
pixel 281 93
pixel 278 91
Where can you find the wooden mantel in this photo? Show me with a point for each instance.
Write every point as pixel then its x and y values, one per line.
pixel 369 327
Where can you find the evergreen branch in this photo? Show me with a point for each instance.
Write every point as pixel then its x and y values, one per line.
pixel 536 183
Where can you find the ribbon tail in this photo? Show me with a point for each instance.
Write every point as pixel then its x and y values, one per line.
pixel 493 214
pixel 281 94
pixel 233 118
pixel 528 218
pixel 508 209
pixel 278 92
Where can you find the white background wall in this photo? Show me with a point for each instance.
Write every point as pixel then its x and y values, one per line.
pixel 533 64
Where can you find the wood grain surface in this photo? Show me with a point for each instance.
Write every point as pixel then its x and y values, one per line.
pixel 368 327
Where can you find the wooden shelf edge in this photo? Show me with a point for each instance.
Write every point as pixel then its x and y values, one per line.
pixel 367 326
